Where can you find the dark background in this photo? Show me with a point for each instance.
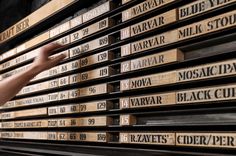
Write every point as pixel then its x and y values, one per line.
pixel 11 11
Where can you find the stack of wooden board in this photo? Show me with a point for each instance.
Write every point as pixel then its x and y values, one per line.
pixel 136 72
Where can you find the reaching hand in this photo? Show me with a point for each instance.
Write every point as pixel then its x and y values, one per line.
pixel 43 61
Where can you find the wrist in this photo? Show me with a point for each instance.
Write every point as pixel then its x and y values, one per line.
pixel 34 70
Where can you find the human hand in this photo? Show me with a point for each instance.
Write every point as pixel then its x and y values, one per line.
pixel 43 61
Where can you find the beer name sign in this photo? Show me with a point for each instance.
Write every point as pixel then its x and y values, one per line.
pixel 201 139
pixel 148 138
pixel 143 7
pixel 201 6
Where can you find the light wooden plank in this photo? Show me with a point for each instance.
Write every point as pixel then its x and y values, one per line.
pixel 76 21
pixel 97 73
pixel 143 8
pixel 150 24
pixel 95 121
pixel 207 94
pixel 207 71
pixel 149 81
pixel 106 7
pixel 59 29
pixel 201 6
pixel 96 90
pixel 210 25
pixel 148 101
pixel 96 58
pixel 94 136
pixel 166 57
pixel 158 138
pixel 206 139
pixel 37 40
pixel 31 124
pixel 150 43
pixel 127 120
pixel 95 106
pixel 31 112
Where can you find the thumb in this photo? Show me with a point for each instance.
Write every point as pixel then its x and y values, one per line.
pixel 56 60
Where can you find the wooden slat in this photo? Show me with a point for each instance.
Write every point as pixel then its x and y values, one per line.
pixel 31 112
pixel 64 95
pixel 158 138
pixel 74 93
pixel 52 135
pixel 149 43
pixel 97 73
pixel 73 65
pixel 75 78
pixel 96 90
pixel 75 51
pixel 65 109
pixel 106 7
pixel 68 109
pixel 62 136
pixel 19 59
pixel 101 25
pixel 207 71
pixel 95 121
pixel 31 101
pixel 20 48
pixel 96 27
pixel 31 124
pixel 35 88
pixel 53 97
pixel 153 100
pixel 207 94
pixel 64 81
pixel 95 106
pixel 59 29
pixel 149 24
pixel 53 84
pixel 54 71
pixel 36 40
pixel 93 136
pixel 149 81
pixel 201 6
pixel 7 135
pixel 143 8
pixel 170 56
pixel 70 122
pixel 31 135
pixel 97 43
pixel 25 113
pixel 64 40
pixel 9 53
pixel 206 139
pixel 9 104
pixel 8 115
pixel 127 120
pixel 76 21
pixel 7 125
pixel 210 25
pixel 96 58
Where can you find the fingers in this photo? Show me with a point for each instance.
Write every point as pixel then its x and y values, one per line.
pixel 48 49
pixel 56 60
